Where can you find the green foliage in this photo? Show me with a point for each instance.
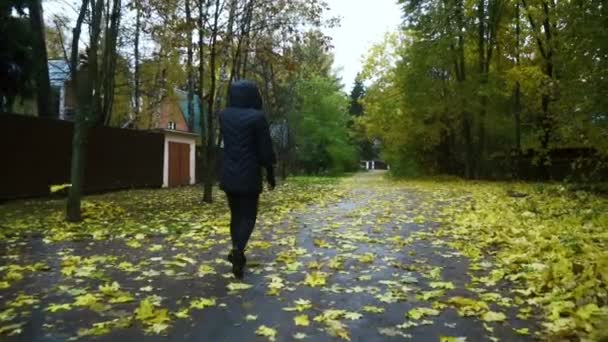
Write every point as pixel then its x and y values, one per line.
pixel 443 97
pixel 320 123
pixel 365 147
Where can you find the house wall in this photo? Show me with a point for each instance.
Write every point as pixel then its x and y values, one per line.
pixel 170 111
pixel 179 138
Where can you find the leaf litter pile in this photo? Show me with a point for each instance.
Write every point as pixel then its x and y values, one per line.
pixel 360 258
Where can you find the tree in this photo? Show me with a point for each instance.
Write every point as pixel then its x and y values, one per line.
pixel 210 136
pixel 136 62
pixel 83 100
pixel 476 81
pixel 544 38
pixel 320 127
pixel 54 34
pixel 356 94
pixel 489 17
pixel 41 70
pixel 364 145
pixel 94 81
pixel 16 59
pixel 189 68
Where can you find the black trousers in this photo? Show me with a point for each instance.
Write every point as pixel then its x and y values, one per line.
pixel 243 214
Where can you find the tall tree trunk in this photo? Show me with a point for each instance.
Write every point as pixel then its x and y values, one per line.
pixel 243 68
pixel 136 73
pixel 189 69
pixel 88 103
pixel 489 23
pixel 517 95
pixel 80 129
pixel 202 20
pixel 461 76
pixel 235 70
pixel 481 47
pixel 229 52
pixel 546 49
pixel 93 58
pixel 547 123
pixel 43 85
pixel 202 14
pixel 210 152
pixel 109 67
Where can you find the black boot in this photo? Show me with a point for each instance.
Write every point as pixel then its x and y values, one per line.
pixel 230 257
pixel 238 262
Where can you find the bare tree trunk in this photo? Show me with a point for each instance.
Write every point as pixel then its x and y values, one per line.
pixel 547 117
pixel 460 66
pixel 546 49
pixel 210 152
pixel 43 85
pixel 136 73
pixel 517 111
pixel 481 40
pixel 228 53
pixel 80 129
pixel 109 68
pixel 235 70
pixel 489 22
pixel 189 70
pixel 86 112
pixel 93 58
pixel 247 34
pixel 202 20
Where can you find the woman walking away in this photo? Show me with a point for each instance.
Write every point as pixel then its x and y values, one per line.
pixel 247 149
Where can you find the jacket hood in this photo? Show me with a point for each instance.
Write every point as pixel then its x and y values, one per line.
pixel 244 94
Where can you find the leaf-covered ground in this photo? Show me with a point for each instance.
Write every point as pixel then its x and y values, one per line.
pixel 361 259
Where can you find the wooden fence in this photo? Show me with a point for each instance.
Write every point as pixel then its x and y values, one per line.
pixel 37 154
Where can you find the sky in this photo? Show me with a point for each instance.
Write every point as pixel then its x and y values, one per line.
pixel 363 23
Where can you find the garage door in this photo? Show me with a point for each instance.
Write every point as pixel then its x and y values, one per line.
pixel 179 164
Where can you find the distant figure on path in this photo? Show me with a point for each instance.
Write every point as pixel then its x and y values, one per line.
pixel 247 149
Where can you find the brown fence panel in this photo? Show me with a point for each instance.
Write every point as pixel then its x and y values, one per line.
pixel 37 154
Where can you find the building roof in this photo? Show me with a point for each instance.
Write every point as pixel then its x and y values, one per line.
pixel 182 97
pixel 59 72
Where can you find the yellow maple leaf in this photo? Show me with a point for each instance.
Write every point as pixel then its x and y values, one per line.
pixel 452 339
pixel 202 303
pixel 301 320
pixel 238 286
pixel 268 332
pixel 373 309
pixel 56 188
pixel 418 313
pixel 493 316
pixel 315 279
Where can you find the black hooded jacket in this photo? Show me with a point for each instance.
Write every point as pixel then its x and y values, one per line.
pixel 247 142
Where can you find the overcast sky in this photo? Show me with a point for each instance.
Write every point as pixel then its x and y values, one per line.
pixel 363 23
